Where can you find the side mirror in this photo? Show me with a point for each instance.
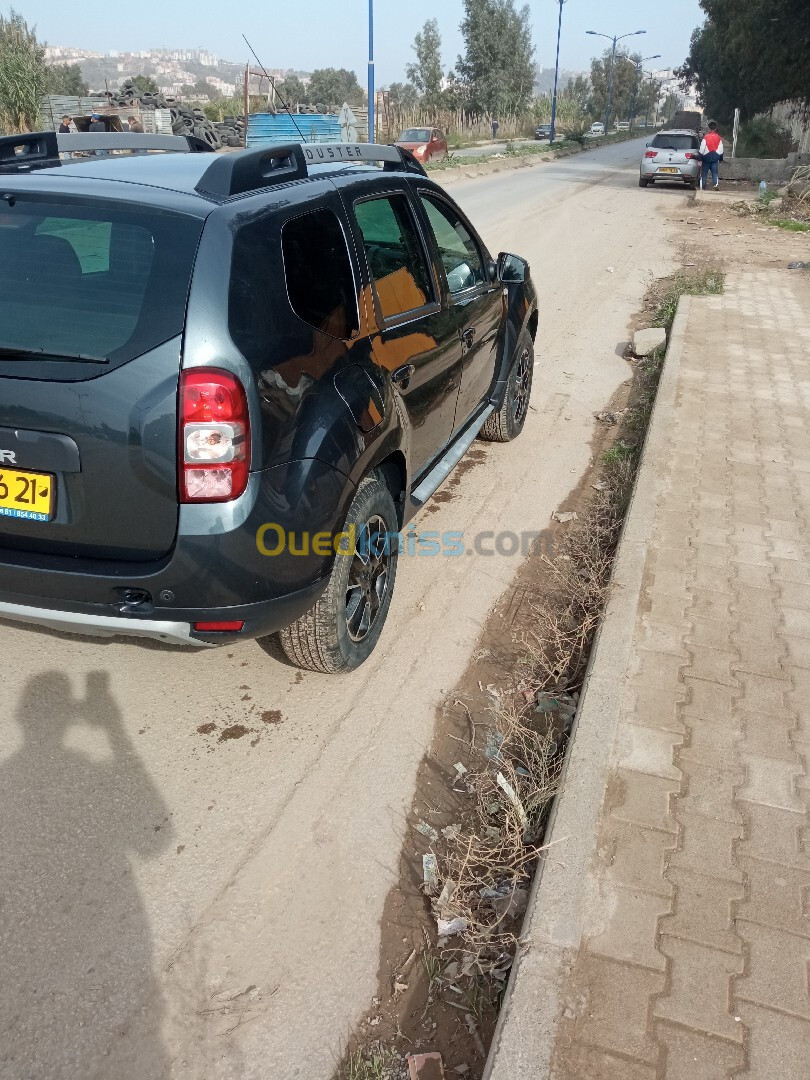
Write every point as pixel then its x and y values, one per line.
pixel 512 269
pixel 492 270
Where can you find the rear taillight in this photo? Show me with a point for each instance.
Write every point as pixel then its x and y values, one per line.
pixel 651 153
pixel 232 627
pixel 214 436
pixel 691 157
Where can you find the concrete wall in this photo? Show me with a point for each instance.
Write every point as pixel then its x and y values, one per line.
pixel 774 170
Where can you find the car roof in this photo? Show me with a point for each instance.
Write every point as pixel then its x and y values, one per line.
pixel 135 178
pixel 678 131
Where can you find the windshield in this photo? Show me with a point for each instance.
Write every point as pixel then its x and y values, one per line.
pixel 91 281
pixel 415 135
pixel 675 142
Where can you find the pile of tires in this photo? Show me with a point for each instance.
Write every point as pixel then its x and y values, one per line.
pixel 188 120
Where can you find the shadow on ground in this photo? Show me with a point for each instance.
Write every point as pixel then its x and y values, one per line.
pixel 78 996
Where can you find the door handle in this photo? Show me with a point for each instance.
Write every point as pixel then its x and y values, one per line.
pixel 402 375
pixel 468 337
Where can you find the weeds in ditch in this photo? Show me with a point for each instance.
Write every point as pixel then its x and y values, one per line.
pixel 377 1062
pixel 664 296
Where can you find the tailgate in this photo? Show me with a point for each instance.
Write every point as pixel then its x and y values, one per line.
pixel 105 452
pixel 93 295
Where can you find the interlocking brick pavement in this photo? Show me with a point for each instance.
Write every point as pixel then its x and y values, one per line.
pixel 692 959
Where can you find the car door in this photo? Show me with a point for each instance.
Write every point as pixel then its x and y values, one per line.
pixel 440 143
pixel 417 339
pixel 475 298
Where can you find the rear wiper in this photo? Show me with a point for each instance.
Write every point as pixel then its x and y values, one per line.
pixel 8 352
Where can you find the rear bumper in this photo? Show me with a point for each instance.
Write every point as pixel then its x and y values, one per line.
pixel 174 627
pixel 685 173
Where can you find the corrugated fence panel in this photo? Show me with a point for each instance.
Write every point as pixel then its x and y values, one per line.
pixel 281 128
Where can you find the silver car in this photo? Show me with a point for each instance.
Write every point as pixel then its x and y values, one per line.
pixel 672 155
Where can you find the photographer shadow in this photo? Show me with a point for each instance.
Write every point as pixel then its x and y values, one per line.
pixel 78 995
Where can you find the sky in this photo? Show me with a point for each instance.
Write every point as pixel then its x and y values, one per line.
pixel 325 33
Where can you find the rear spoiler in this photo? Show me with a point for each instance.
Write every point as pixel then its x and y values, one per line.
pixel 42 149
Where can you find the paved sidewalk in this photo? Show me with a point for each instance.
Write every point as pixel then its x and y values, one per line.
pixel 669 936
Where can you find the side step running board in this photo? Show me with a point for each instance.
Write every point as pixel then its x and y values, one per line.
pixel 442 469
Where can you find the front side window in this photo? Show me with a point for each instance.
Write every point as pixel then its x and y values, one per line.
pixel 396 258
pixel 319 277
pixel 457 249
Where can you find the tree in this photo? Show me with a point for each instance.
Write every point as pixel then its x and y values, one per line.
pixel 293 91
pixel 426 74
pixel 202 88
pixel 331 87
pixel 627 78
pixel 496 71
pixel 22 74
pixel 403 95
pixel 751 55
pixel 65 79
pixel 143 84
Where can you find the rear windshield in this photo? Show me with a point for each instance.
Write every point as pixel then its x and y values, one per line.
pixel 90 281
pixel 664 141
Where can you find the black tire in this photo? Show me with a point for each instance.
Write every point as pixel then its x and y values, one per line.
pixel 643 181
pixel 340 631
pixel 506 423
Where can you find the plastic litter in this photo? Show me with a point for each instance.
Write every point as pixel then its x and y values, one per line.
pixel 565 515
pixel 430 873
pixel 427 830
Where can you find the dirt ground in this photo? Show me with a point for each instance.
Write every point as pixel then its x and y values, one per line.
pixel 414 1009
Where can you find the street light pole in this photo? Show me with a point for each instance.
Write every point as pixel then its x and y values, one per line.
pixel 614 39
pixel 638 64
pixel 556 76
pixel 371 71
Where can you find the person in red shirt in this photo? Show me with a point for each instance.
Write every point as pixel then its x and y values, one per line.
pixel 711 151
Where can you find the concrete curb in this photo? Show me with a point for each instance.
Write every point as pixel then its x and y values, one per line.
pixel 564 892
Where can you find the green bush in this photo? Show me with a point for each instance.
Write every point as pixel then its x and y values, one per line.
pixel 763 137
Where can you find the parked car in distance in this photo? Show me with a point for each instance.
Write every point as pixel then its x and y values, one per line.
pixel 623 125
pixel 597 128
pixel 228 382
pixel 426 144
pixel 671 155
pixel 543 131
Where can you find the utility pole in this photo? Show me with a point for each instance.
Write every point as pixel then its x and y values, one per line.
pixel 556 77
pixel 614 39
pixel 371 71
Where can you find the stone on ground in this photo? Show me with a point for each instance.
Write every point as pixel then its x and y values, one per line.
pixel 647 341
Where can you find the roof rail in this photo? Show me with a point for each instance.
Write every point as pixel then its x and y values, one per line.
pixel 235 174
pixel 131 140
pixel 251 170
pixel 33 150
pixel 42 149
pixel 393 158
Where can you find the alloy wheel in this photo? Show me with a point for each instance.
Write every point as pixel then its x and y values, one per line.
pixel 368 577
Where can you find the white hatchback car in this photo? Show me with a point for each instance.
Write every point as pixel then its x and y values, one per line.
pixel 672 155
pixel 597 128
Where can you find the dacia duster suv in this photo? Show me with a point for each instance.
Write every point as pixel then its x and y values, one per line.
pixel 228 381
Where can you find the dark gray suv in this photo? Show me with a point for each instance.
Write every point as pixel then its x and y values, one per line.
pixel 228 381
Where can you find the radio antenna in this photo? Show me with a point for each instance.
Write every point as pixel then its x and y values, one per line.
pixel 273 84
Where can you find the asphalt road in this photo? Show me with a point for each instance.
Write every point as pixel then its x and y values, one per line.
pixel 176 904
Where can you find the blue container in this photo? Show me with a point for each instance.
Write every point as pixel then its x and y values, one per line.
pixel 269 128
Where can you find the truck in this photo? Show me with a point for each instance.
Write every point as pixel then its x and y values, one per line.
pixel 691 121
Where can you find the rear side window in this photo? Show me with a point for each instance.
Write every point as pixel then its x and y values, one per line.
pixel 396 258
pixel 91 282
pixel 320 283
pixel 663 141
pixel 457 249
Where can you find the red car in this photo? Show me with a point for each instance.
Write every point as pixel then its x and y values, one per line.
pixel 424 143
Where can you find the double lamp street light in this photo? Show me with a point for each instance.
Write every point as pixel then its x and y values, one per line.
pixel 614 39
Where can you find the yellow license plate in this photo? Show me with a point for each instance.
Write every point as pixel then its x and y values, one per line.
pixel 665 169
pixel 26 495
